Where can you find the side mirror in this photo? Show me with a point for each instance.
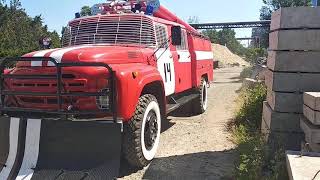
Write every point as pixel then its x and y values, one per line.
pixel 176 35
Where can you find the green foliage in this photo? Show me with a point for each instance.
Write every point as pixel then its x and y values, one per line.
pixel 252 54
pixel 226 37
pixel 250 112
pixel 20 33
pixel 256 160
pixel 85 11
pixel 246 72
pixel 193 19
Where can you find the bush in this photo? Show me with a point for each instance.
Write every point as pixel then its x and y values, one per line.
pixel 246 72
pixel 256 160
pixel 250 111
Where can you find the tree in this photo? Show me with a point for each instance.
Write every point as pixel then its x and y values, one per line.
pixel 193 20
pixel 20 33
pixel 85 11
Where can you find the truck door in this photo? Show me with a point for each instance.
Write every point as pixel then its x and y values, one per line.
pixel 183 65
pixel 165 60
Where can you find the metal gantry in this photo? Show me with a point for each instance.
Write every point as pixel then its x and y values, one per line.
pixel 232 25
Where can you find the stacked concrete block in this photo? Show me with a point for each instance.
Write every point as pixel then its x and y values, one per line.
pixel 310 122
pixel 294 68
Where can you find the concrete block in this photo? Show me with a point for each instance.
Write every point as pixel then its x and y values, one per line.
pixel 294 61
pixel 313 146
pixel 311 132
pixel 285 102
pixel 312 115
pixel 298 40
pixel 277 139
pixel 282 122
pixel 302 168
pixel 312 99
pixel 292 82
pixel 296 17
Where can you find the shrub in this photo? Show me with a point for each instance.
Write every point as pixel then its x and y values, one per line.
pixel 246 72
pixel 256 160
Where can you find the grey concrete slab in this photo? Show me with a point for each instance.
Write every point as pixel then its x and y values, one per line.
pixel 312 115
pixel 296 17
pixel 301 168
pixel 312 99
pixel 292 82
pixel 285 102
pixel 294 61
pixel 282 122
pixel 311 131
pixel 288 140
pixel 313 146
pixel 299 40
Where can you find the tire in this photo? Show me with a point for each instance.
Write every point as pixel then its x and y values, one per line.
pixel 201 103
pixel 142 133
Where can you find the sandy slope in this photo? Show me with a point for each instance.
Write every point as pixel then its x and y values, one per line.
pixel 226 57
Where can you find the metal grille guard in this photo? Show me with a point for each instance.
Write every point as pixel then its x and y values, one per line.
pixel 27 112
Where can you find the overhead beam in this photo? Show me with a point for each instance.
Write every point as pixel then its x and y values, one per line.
pixel 232 25
pixel 249 38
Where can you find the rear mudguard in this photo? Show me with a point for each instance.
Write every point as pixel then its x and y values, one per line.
pixel 34 149
pixel 130 86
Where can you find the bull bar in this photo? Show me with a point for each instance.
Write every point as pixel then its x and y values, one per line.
pixel 27 112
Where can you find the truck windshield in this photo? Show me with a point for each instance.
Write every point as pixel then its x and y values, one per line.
pixel 110 29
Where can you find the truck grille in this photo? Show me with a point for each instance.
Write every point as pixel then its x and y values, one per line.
pixel 110 29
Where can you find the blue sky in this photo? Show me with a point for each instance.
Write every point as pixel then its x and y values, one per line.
pixel 57 13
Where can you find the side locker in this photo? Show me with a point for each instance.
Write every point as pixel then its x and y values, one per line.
pixel 201 58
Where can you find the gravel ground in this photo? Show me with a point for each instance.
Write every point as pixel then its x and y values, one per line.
pixel 197 147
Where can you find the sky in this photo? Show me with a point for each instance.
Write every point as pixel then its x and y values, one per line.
pixel 57 13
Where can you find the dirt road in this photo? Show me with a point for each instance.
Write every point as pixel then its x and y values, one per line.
pixel 197 147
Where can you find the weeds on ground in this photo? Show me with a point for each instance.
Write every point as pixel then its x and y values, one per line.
pixel 247 72
pixel 255 161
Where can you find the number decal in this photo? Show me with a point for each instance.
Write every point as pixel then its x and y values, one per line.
pixel 167 71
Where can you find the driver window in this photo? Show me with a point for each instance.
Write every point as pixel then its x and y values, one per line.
pixel 184 42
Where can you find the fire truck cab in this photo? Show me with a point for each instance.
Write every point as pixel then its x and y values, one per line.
pixel 131 69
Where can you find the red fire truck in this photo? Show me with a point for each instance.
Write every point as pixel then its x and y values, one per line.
pixel 106 91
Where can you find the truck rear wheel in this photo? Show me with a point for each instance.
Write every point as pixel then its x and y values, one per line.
pixel 142 134
pixel 201 103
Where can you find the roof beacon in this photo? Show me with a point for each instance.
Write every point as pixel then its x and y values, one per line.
pixel 126 6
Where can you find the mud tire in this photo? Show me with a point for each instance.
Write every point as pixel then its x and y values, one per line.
pixel 134 147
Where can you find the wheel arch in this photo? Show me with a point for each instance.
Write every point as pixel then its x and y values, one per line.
pixel 156 88
pixel 205 76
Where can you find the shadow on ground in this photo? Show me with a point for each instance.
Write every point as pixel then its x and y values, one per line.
pixel 204 165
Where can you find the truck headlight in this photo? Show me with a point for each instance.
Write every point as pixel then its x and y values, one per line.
pixel 103 102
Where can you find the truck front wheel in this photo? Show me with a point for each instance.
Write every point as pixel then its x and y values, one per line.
pixel 142 134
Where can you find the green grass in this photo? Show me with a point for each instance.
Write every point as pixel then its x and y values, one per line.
pixel 256 160
pixel 247 72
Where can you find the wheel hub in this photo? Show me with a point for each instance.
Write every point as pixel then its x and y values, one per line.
pixel 151 130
